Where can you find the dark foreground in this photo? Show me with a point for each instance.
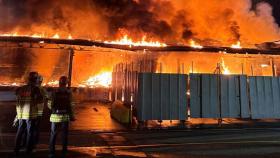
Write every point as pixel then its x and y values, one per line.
pixel 95 134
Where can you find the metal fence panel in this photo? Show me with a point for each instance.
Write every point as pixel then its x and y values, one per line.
pixel 162 97
pixel 195 96
pixel 244 97
pixel 204 96
pixel 234 96
pixel 210 104
pixel 230 106
pixel 264 96
pixel 214 96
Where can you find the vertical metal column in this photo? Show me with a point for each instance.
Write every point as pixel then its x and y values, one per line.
pixel 273 68
pixel 71 57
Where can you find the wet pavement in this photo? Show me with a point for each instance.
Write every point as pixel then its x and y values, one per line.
pixel 95 134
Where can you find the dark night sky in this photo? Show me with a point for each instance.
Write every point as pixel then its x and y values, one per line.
pixel 276 8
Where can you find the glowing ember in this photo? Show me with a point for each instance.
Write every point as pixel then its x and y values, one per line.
pixel 101 80
pixel 195 45
pixel 56 36
pixel 264 65
pixel 128 41
pixel 37 36
pixel 10 84
pixel 52 83
pixel 237 45
pixel 224 68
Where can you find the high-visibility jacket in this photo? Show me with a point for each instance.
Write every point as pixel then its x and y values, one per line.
pixel 27 98
pixel 61 115
pixel 40 105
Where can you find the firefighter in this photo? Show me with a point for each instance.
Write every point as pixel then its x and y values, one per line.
pixel 40 107
pixel 27 98
pixel 61 113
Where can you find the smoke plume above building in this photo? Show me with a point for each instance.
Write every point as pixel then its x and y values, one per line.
pixel 172 21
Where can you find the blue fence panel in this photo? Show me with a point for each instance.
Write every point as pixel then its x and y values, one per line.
pixel 204 96
pixel 215 96
pixel 162 96
pixel 234 96
pixel 264 96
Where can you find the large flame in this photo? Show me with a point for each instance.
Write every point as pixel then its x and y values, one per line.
pixel 52 83
pixel 103 79
pixel 128 41
pixel 35 35
pixel 237 45
pixel 195 45
pixel 224 68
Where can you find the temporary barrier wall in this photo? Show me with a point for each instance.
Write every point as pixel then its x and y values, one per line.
pixel 161 97
pixel 265 97
pixel 204 96
pixel 218 96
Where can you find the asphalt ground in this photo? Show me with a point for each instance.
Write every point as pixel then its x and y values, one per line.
pixel 96 134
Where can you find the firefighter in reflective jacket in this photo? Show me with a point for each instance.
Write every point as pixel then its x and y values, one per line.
pixel 61 113
pixel 27 98
pixel 40 107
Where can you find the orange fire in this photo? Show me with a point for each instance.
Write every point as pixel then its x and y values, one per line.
pixel 237 45
pixel 195 45
pixel 224 68
pixel 35 35
pixel 101 80
pixel 52 83
pixel 128 41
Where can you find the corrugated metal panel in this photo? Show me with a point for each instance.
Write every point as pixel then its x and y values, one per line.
pixel 210 98
pixel 195 96
pixel 234 97
pixel 161 97
pixel 244 97
pixel 264 96
pixel 211 93
pixel 204 96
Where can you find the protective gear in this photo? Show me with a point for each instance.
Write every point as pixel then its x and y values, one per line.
pixel 28 97
pixel 61 105
pixel 27 125
pixel 32 79
pixel 62 113
pixel 39 80
pixel 54 130
pixel 63 81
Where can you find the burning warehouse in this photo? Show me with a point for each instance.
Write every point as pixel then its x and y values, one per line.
pixel 93 41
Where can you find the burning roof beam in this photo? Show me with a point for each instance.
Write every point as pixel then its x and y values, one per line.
pixel 90 43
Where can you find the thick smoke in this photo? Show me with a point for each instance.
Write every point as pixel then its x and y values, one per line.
pixel 171 21
pixel 209 22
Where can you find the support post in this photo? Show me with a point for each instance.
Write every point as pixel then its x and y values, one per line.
pixel 71 57
pixel 273 68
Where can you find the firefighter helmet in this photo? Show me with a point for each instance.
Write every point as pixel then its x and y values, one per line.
pixel 40 79
pixel 33 77
pixel 63 81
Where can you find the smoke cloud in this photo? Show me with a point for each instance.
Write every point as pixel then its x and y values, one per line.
pixel 173 21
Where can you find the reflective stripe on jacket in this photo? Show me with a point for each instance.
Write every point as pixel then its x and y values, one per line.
pixel 59 118
pixel 40 109
pixel 55 117
pixel 26 106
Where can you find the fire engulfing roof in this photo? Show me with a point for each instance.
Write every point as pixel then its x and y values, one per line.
pixel 41 42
